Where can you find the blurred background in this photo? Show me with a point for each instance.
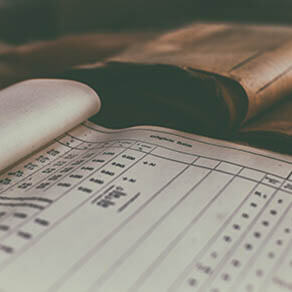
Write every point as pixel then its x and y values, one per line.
pixel 26 20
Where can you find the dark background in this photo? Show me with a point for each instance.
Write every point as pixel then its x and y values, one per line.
pixel 26 20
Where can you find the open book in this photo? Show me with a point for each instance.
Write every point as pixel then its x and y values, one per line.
pixel 145 208
pixel 136 209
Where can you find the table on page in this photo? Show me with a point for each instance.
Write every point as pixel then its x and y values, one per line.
pixel 146 209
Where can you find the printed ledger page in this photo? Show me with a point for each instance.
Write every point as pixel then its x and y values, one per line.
pixel 146 209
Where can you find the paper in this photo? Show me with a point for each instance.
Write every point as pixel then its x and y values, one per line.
pixel 34 112
pixel 256 56
pixel 146 209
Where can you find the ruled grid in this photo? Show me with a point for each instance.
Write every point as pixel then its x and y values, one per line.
pixel 136 215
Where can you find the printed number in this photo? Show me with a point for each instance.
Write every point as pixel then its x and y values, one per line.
pixel 42 159
pixel 30 166
pixel 98 160
pixel 70 156
pixel 53 152
pixel 108 153
pixel 17 173
pixel 128 157
pixel 85 190
pixel 55 177
pixel 5 181
pixel 59 163
pixel 43 185
pixel 111 173
pixel 97 181
pixel 118 164
pixel 66 169
pixel 24 185
pixel 48 170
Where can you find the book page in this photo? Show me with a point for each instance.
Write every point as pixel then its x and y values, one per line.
pixel 34 112
pixel 258 57
pixel 146 209
pixel 272 129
